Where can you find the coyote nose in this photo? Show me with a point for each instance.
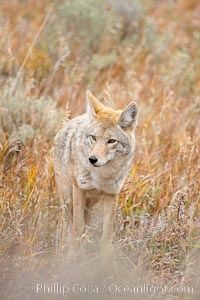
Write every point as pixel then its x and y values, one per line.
pixel 93 159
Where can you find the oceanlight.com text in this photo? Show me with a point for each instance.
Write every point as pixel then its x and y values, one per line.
pixel 109 288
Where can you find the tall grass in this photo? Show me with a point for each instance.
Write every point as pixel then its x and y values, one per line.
pixel 123 51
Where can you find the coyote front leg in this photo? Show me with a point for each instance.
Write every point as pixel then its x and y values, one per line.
pixel 109 208
pixel 78 222
pixel 89 204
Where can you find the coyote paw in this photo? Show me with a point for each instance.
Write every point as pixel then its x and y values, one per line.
pixel 85 182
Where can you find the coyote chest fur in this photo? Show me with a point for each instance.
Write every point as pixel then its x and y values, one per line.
pixel 92 156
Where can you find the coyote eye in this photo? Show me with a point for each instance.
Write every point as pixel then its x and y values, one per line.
pixel 93 137
pixel 111 141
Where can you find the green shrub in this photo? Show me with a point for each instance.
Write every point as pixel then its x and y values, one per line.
pixel 25 116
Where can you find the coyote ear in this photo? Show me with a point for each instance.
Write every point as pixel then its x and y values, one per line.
pixel 93 104
pixel 128 116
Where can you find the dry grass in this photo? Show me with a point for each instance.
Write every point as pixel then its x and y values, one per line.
pixel 51 52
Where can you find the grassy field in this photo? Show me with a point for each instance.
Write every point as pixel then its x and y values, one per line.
pixel 51 52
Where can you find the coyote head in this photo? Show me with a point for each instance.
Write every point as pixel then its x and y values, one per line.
pixel 110 133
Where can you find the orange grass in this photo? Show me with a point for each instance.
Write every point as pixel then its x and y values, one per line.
pixel 161 75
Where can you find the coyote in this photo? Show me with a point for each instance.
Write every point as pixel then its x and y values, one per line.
pixel 92 156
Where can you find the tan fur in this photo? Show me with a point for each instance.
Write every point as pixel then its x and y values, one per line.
pixel 84 184
pixel 104 113
pixel 108 115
